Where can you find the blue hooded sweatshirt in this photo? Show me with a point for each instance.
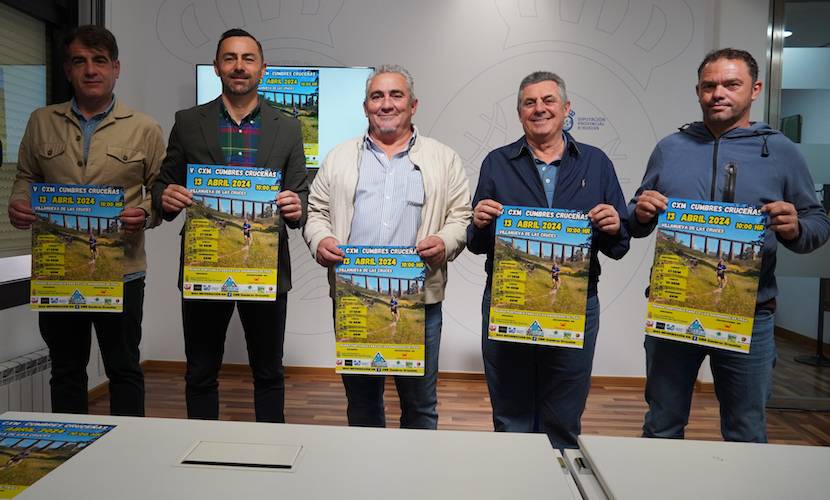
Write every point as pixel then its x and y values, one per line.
pixel 755 165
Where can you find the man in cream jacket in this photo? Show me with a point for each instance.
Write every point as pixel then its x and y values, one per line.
pixel 393 186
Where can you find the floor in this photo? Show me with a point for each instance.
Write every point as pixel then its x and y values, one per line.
pixel 317 397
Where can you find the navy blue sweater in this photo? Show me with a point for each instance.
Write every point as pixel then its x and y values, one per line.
pixel 585 179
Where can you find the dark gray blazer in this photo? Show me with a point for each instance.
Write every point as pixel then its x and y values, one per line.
pixel 195 139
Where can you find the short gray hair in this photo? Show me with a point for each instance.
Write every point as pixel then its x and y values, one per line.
pixel 393 68
pixel 542 76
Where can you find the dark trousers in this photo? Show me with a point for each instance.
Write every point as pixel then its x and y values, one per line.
pixel 537 388
pixel 205 327
pixel 69 336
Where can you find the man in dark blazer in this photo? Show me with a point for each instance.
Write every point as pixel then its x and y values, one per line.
pixel 237 128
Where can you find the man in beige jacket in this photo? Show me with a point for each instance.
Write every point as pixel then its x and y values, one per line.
pixel 393 186
pixel 94 139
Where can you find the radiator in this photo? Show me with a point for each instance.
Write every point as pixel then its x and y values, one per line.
pixel 24 383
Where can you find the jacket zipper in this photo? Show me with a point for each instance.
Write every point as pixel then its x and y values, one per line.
pixel 731 181
pixel 714 170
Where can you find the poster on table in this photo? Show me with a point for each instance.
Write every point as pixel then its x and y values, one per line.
pixel 30 450
pixel 704 282
pixel 540 276
pixel 231 237
pixel 379 311
pixel 296 91
pixel 77 250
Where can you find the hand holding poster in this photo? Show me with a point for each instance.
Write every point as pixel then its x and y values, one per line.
pixel 379 308
pixel 77 251
pixel 30 450
pixel 231 233
pixel 540 276
pixel 707 261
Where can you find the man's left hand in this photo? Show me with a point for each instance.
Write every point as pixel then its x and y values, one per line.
pixel 291 207
pixel 133 219
pixel 432 250
pixel 605 218
pixel 783 219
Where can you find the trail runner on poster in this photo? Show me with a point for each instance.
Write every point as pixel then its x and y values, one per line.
pixel 231 233
pixel 704 282
pixel 77 250
pixel 380 312
pixel 540 278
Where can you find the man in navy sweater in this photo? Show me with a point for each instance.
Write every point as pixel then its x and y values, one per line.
pixel 537 388
pixel 726 158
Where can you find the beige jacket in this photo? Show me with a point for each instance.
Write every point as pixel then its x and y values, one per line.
pixel 126 150
pixel 446 211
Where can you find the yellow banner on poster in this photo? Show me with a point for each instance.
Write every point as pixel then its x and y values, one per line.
pixel 733 333
pixel 101 296
pixel 561 330
pixel 379 359
pixel 242 284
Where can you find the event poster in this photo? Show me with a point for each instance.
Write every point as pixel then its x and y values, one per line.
pixel 707 262
pixel 379 311
pixel 297 93
pixel 77 251
pixel 30 450
pixel 540 276
pixel 231 235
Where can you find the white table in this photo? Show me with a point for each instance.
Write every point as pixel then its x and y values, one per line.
pixel 139 460
pixel 637 468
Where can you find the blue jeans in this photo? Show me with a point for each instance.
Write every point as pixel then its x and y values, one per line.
pixel 418 395
pixel 743 384
pixel 535 388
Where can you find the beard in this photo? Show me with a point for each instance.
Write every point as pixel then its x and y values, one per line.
pixel 228 88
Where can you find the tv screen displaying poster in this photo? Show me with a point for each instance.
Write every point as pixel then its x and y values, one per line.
pixel 328 101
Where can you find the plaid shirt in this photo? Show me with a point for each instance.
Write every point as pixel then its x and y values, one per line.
pixel 239 142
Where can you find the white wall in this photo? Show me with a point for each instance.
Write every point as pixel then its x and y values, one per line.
pixel 806 91
pixel 632 63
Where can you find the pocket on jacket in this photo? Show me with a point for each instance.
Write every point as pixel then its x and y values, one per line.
pixel 52 155
pixel 128 161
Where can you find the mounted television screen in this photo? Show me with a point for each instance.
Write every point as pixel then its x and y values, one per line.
pixel 327 101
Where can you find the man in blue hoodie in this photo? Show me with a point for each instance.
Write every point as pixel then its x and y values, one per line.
pixel 537 388
pixel 726 158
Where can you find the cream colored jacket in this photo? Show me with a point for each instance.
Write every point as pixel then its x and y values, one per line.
pixel 125 150
pixel 446 212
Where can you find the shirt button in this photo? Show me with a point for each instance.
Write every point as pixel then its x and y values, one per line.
pixel 124 157
pixel 240 153
pixel 240 131
pixel 77 137
pixel 49 152
pixel 80 163
pixel 547 180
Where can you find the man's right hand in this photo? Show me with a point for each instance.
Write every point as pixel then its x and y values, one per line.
pixel 649 205
pixel 328 254
pixel 485 212
pixel 21 214
pixel 175 198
